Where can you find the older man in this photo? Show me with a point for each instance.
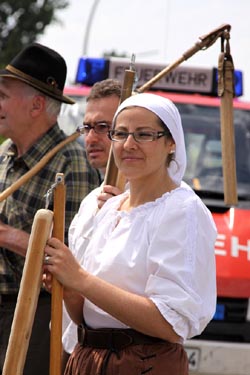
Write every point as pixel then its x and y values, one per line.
pixel 31 93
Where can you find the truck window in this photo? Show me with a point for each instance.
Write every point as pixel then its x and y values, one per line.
pixel 201 126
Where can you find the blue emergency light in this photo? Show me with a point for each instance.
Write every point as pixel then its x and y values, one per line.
pixel 183 79
pixel 238 82
pixel 91 70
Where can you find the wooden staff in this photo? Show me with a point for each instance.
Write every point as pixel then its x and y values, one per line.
pixel 39 165
pixel 57 289
pixel 226 92
pixel 204 42
pixel 113 176
pixel 28 294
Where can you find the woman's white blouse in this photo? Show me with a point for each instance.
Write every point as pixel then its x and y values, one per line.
pixel 163 250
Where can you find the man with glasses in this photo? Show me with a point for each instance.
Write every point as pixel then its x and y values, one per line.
pixel 102 103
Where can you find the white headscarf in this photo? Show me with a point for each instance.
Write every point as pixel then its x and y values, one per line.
pixel 169 114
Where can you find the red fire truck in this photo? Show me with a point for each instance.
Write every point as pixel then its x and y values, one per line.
pixel 224 346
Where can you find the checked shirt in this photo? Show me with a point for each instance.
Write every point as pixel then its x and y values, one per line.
pixel 19 209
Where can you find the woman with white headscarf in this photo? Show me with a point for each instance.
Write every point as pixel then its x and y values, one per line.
pixel 147 281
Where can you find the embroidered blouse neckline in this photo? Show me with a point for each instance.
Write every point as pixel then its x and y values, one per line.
pixel 145 206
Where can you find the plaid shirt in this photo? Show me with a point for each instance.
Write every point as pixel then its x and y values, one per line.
pixel 19 209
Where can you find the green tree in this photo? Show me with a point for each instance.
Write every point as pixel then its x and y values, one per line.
pixel 21 21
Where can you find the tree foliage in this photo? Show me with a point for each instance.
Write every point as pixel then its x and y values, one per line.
pixel 21 21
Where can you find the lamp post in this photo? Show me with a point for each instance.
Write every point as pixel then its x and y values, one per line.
pixel 88 27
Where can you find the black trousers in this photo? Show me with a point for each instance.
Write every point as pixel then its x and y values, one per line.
pixel 37 359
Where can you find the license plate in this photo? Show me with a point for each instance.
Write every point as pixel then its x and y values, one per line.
pixel 193 358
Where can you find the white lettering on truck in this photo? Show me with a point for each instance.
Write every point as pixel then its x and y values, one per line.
pixel 236 248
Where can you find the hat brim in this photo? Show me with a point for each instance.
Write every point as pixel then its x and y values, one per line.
pixel 40 86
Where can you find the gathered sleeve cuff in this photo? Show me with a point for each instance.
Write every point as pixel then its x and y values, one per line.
pixel 181 266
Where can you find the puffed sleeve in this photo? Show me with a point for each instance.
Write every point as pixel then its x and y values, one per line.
pixel 181 263
pixel 81 227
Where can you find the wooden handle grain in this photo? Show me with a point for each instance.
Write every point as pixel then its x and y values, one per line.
pixel 227 132
pixel 228 153
pixel 28 294
pixel 57 289
pixel 113 176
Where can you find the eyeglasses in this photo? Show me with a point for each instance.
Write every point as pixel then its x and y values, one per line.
pixel 139 136
pixel 99 128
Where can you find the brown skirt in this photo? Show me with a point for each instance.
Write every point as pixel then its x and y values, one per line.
pixel 156 359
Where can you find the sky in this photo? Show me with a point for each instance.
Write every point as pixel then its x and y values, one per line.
pixel 157 31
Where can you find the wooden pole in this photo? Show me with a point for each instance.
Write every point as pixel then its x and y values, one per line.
pixel 28 294
pixel 226 92
pixel 39 165
pixel 57 289
pixel 203 43
pixel 113 176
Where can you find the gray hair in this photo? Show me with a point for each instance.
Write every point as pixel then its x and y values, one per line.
pixel 52 106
